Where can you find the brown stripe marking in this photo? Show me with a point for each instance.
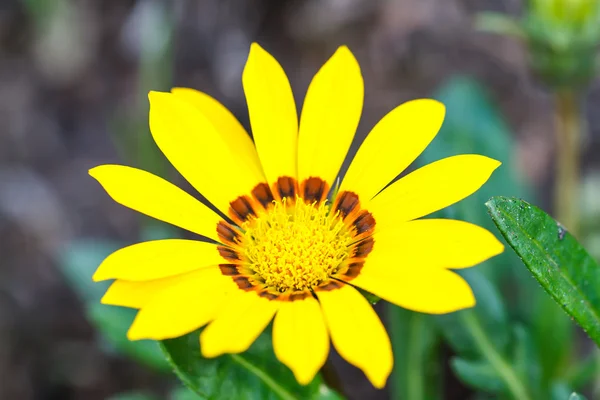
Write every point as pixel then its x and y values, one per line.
pixel 353 269
pixel 263 195
pixel 229 270
pixel 363 248
pixel 294 296
pixel 314 190
pixel 227 233
pixel 241 209
pixel 244 283
pixel 285 187
pixel 364 222
pixel 268 295
pixel 346 203
pixel 329 285
pixel 229 254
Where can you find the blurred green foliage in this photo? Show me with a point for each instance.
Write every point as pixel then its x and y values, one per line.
pixel 79 261
pixel 576 396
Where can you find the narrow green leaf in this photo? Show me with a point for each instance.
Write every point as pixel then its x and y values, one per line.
pixel 526 360
pixel 477 374
pixel 559 263
pixel 482 338
pixel 255 374
pixel 513 384
pixel 491 313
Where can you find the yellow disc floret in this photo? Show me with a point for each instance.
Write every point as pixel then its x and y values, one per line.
pixel 295 246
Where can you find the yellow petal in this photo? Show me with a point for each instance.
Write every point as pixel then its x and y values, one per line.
pixel 137 294
pixel 357 333
pixel 232 132
pixel 238 324
pixel 157 198
pixel 192 144
pixel 407 265
pixel 393 144
pixel 300 338
pixel 157 259
pixel 182 307
pixel 422 289
pixel 441 243
pixel 272 112
pixel 431 188
pixel 330 115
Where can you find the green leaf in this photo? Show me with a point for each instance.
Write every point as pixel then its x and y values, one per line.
pixel 477 374
pixel 559 263
pixel 255 374
pixel 576 396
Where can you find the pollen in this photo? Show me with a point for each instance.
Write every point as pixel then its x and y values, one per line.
pixel 295 245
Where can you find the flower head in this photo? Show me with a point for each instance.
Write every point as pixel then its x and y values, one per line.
pixel 292 249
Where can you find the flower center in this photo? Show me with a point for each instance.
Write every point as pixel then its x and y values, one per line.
pixel 288 240
pixel 295 245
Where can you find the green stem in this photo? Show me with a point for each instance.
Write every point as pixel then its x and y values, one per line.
pixel 415 383
pixel 263 376
pixel 414 340
pixel 505 371
pixel 568 138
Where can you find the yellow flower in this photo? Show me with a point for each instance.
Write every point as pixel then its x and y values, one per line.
pixel 286 251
